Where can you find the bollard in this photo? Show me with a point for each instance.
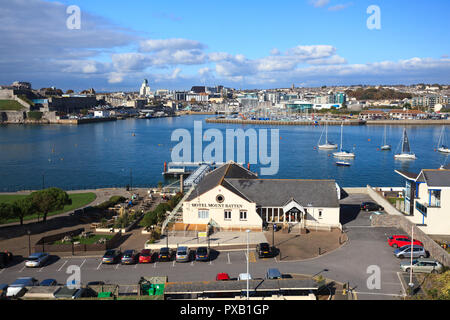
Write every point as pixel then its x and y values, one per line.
pixel 319 251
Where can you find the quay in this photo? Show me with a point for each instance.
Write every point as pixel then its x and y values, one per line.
pixel 287 123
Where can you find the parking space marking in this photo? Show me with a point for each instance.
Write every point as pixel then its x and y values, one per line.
pixel 379 294
pixel 276 261
pixel 82 263
pixel 60 268
pixel 117 266
pixel 192 263
pixel 173 264
pixel 154 265
pixel 229 261
pixel 135 266
pixel 23 268
pixel 99 265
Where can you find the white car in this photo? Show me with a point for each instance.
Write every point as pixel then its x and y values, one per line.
pixel 17 288
pixel 245 276
pixel 37 259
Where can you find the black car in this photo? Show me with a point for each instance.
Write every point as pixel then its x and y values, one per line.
pixel 111 256
pixel 370 206
pixel 202 254
pixel 5 258
pixel 164 254
pixel 263 250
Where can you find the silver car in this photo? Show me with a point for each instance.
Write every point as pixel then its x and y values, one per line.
pixel 422 265
pixel 182 254
pixel 405 252
pixel 37 259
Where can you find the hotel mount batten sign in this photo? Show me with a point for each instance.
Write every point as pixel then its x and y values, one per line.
pixel 216 205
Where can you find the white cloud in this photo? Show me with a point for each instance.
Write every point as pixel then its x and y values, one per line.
pixel 319 3
pixel 169 44
pixel 340 6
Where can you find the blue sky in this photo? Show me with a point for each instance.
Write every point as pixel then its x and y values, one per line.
pixel 242 44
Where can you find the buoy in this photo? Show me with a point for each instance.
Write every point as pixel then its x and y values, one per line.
pixel 378 149
pixel 368 140
pixel 165 166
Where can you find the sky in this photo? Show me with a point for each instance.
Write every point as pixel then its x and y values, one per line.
pixel 241 44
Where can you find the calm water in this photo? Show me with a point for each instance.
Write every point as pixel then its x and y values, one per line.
pixel 102 154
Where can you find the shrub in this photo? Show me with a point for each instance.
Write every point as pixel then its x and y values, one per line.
pixel 110 203
pixel 34 115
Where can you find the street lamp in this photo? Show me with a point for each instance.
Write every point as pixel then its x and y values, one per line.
pixel 29 242
pixel 248 276
pixel 411 283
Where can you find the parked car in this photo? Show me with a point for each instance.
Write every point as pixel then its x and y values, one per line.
pixel 405 251
pixel 245 276
pixel 222 277
pixel 95 283
pixel 3 288
pixel 273 273
pixel 17 288
pixel 202 254
pixel 263 250
pixel 398 241
pixel 48 283
pixel 371 206
pixel 37 259
pixel 145 256
pixel 5 258
pixel 111 256
pixel 129 257
pixel 164 254
pixel 67 293
pixel 182 254
pixel 422 265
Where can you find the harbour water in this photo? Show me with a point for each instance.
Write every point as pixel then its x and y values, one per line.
pixel 133 151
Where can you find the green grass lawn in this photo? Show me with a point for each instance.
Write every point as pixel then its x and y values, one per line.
pixel 394 200
pixel 10 105
pixel 89 240
pixel 78 200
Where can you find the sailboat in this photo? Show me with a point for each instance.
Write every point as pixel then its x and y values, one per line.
pixel 328 145
pixel 385 146
pixel 442 147
pixel 342 153
pixel 406 153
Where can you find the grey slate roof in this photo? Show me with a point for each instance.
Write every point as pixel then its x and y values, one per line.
pixel 237 286
pixel 276 193
pixel 269 192
pixel 408 175
pixel 437 178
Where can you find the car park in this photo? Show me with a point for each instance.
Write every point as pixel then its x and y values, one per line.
pixel 245 276
pixel 263 250
pixel 48 283
pixel 164 254
pixel 222 277
pixel 422 265
pixel 405 252
pixel 129 257
pixel 273 273
pixel 202 254
pixel 111 256
pixel 17 288
pixel 145 256
pixel 371 206
pixel 182 254
pixel 398 241
pixel 37 259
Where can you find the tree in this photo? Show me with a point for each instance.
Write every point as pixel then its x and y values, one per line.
pixel 6 211
pixel 24 207
pixel 69 91
pixel 50 199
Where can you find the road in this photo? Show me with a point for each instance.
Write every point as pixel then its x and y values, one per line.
pixel 367 248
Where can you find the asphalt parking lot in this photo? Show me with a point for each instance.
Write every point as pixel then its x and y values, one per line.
pixel 366 250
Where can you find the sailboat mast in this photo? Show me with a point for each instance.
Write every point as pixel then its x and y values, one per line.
pixel 342 131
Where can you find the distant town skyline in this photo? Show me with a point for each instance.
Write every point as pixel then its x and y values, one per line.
pixel 176 45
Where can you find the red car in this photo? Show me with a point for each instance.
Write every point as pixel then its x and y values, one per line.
pixel 399 241
pixel 222 277
pixel 145 256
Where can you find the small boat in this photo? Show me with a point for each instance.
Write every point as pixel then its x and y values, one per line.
pixel 343 163
pixel 406 153
pixel 343 153
pixel 385 146
pixel 442 146
pixel 328 145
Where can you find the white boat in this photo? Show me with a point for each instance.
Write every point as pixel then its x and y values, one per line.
pixel 442 146
pixel 406 153
pixel 343 163
pixel 385 146
pixel 328 145
pixel 343 153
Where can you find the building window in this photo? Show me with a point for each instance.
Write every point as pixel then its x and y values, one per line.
pixel 227 215
pixel 243 215
pixel 320 214
pixel 203 214
pixel 435 198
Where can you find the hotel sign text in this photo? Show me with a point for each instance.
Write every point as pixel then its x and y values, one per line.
pixel 216 205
